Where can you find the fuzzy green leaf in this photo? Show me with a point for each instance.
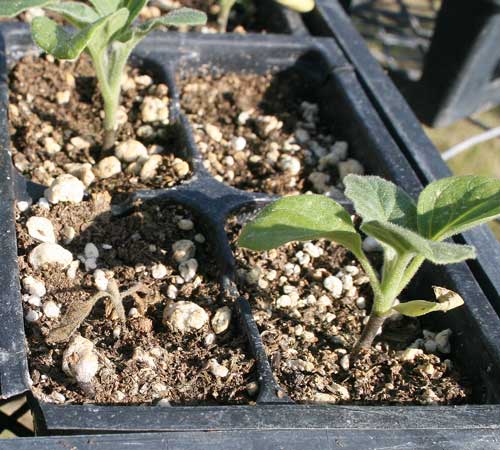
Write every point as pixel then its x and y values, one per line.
pixel 301 6
pixel 76 13
pixel 114 23
pixel 106 7
pixel 135 7
pixel 54 39
pixel 181 16
pixel 377 199
pixel 405 241
pixel 449 206
pixel 446 300
pixel 300 218
pixel 11 8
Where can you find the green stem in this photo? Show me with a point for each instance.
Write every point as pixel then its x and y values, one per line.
pixel 410 272
pixel 370 271
pixel 101 66
pixel 391 282
pixel 109 66
pixel 225 10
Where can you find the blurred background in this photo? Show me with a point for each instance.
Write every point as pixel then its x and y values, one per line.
pixel 399 33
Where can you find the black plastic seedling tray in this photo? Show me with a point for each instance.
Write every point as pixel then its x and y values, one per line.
pixel 317 439
pixel 344 104
pixel 329 19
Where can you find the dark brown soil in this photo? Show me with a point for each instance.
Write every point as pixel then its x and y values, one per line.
pixel 36 115
pixel 282 104
pixel 309 341
pixel 178 372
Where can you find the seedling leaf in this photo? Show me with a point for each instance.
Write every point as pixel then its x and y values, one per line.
pixel 446 300
pixel 76 13
pixel 300 218
pixel 405 241
pixel 377 199
pixel 106 7
pixel 54 39
pixel 115 22
pixel 181 16
pixel 455 204
pixel 11 8
pixel 134 7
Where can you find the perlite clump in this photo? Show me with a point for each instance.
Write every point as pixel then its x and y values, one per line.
pixel 105 30
pixel 409 233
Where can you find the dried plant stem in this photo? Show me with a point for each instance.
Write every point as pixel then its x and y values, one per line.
pixel 79 311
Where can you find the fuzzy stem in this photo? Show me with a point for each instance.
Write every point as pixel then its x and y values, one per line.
pixel 370 272
pixel 410 272
pixel 225 10
pixel 109 64
pixel 369 333
pixel 109 139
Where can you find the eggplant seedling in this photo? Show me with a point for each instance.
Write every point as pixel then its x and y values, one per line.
pixel 409 233
pixel 104 30
pixel 301 6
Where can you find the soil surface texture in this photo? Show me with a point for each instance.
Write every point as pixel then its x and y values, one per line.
pixel 264 133
pixel 55 117
pixel 310 302
pixel 146 359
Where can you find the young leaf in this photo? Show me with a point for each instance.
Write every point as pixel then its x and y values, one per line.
pixel 76 13
pixel 455 204
pixel 301 6
pixel 446 300
pixel 181 16
pixel 54 39
pixel 106 7
pixel 114 23
pixel 377 199
pixel 300 218
pixel 135 7
pixel 405 241
pixel 11 8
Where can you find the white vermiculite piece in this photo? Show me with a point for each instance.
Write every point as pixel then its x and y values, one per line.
pixel 79 360
pixel 158 271
pixel 51 310
pixel 108 167
pixel 334 285
pixel 34 286
pixel 49 254
pixel 185 316
pixel 131 150
pixel 65 188
pixel 100 280
pixel 221 320
pixel 188 269
pixel 183 250
pixel 217 369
